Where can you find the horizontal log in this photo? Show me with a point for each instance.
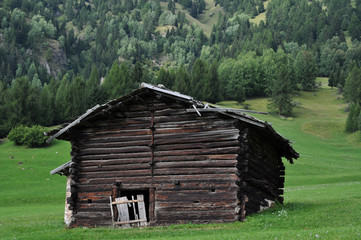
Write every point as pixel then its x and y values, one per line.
pixel 207 134
pixel 194 207
pixel 94 188
pixel 227 196
pixel 187 138
pixel 193 164
pixel 115 156
pixel 95 195
pixel 118 174
pixel 142 142
pixel 93 215
pixel 205 145
pixel 116 139
pixel 113 180
pixel 191 171
pixel 114 125
pixel 125 132
pixel 219 178
pixel 195 158
pixel 195 124
pixel 196 204
pixel 193 186
pixel 220 150
pixel 184 117
pixel 196 215
pixel 167 111
pixel 111 162
pixel 131 149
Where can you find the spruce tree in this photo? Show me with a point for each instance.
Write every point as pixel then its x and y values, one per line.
pixel 182 81
pixel 349 127
pixel 281 98
pixel 354 27
pixel 355 116
pixel 352 89
pixel 112 85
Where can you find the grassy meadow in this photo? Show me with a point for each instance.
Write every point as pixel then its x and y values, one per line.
pixel 322 189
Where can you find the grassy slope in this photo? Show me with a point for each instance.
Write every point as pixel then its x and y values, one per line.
pixel 205 21
pixel 257 19
pixel 322 192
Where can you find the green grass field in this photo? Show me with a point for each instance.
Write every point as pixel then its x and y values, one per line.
pixel 322 190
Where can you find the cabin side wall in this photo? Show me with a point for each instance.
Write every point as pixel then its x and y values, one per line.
pixel 261 172
pixel 186 161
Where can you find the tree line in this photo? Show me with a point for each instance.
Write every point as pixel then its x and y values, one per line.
pixel 51 49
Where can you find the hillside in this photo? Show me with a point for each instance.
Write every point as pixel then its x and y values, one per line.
pixel 58 58
pixel 322 190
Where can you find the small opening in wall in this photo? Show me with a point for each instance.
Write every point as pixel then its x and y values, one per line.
pixel 195 201
pixel 213 190
pixel 90 200
pixel 134 208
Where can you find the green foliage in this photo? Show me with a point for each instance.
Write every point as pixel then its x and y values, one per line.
pixel 352 90
pixel 28 136
pixel 17 135
pixel 281 98
pixel 351 124
pixel 34 136
pixel 354 27
pixel 306 70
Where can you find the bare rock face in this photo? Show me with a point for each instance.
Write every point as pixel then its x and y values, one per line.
pixel 53 57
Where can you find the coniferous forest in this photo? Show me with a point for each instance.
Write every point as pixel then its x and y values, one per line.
pixel 59 58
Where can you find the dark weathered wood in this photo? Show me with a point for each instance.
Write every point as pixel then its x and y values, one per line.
pixel 196 157
pixel 220 150
pixel 209 168
pixel 196 164
pixel 184 171
pixel 205 145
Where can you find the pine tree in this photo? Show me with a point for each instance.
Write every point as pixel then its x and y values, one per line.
pixel 62 113
pixel 214 90
pixel 165 78
pixel 354 28
pixel 199 82
pixel 355 116
pixel 352 89
pixel 182 81
pixel 46 110
pixel 349 127
pixel 281 98
pixel 94 93
pixel 359 122
pixel 112 85
pixel 306 70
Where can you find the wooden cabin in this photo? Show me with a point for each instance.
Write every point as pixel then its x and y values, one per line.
pixel 165 158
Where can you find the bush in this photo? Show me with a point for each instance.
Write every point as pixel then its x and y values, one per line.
pixel 28 136
pixel 17 135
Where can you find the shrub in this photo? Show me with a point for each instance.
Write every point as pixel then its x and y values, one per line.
pixel 17 135
pixel 28 136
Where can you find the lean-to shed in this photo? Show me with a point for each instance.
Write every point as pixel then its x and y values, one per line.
pixel 161 157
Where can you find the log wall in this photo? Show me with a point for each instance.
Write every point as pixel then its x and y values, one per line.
pixel 261 172
pixel 187 162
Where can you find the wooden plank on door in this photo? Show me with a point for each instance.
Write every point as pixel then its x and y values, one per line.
pixel 123 213
pixel 141 210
